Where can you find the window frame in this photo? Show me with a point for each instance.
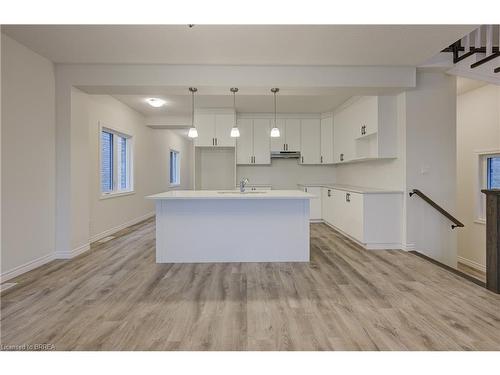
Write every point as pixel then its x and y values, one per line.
pixel 116 191
pixel 482 182
pixel 178 167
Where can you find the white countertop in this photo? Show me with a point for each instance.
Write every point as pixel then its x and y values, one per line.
pixel 351 188
pixel 232 194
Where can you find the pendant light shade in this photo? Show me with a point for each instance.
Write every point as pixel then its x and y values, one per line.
pixel 192 133
pixel 235 132
pixel 275 132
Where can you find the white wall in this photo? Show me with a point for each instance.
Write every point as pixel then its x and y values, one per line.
pixel 151 164
pixel 215 168
pixel 478 129
pixel 28 158
pixel 431 164
pixel 286 173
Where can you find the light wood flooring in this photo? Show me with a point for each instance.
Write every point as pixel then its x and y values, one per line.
pixel 115 297
pixel 471 271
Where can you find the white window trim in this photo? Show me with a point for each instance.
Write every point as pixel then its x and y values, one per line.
pixel 169 162
pixel 481 172
pixel 119 132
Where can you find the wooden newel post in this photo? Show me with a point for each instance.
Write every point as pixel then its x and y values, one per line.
pixel 492 239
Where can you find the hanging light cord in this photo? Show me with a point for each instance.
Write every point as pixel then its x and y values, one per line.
pixel 275 109
pixel 234 107
pixel 192 109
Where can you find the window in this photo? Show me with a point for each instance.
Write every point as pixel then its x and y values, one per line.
pixel 116 162
pixel 175 167
pixel 493 172
pixel 489 178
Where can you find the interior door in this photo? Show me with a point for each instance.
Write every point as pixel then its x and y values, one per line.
pixel 223 125
pixel 292 135
pixel 205 124
pixel 310 138
pixel 327 140
pixel 277 144
pixel 261 141
pixel 244 144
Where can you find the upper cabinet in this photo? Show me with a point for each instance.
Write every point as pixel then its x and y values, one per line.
pixel 223 125
pixel 366 129
pixel 289 139
pixel 214 128
pixel 253 145
pixel 326 140
pixel 310 136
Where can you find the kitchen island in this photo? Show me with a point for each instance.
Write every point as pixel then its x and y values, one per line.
pixel 229 226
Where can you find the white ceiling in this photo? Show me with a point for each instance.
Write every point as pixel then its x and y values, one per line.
pixel 178 103
pixel 366 45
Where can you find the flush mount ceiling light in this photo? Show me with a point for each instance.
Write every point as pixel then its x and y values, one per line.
pixel 235 132
pixel 192 133
pixel 155 102
pixel 275 132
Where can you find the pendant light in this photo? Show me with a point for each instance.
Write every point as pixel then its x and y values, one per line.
pixel 235 132
pixel 192 133
pixel 275 132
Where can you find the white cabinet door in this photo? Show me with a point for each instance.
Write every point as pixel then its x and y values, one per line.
pixel 278 144
pixel 261 141
pixel 324 204
pixel 343 136
pixel 205 124
pixel 244 146
pixel 354 215
pixel 315 203
pixel 327 209
pixel 310 141
pixel 339 137
pixel 367 110
pixel 338 208
pixel 292 135
pixel 223 125
pixel 327 140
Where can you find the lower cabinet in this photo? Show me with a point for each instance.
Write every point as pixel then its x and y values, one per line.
pixel 315 203
pixel 372 219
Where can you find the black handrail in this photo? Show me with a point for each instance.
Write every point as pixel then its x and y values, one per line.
pixel 437 207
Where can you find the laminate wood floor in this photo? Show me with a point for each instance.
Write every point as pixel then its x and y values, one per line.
pixel 115 297
pixel 471 272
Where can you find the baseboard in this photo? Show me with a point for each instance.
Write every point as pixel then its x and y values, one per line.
pixel 73 253
pixel 68 255
pixel 408 247
pixel 383 246
pixel 369 246
pixel 31 265
pixel 472 264
pixel 118 228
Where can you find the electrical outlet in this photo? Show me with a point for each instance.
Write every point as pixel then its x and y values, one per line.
pixel 424 169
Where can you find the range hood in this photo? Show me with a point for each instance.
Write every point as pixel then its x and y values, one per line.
pixel 285 154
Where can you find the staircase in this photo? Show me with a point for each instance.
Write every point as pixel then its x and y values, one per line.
pixel 476 55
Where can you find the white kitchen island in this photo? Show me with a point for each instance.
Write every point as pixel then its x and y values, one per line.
pixel 228 226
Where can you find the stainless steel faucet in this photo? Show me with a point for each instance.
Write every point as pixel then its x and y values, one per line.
pixel 243 183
